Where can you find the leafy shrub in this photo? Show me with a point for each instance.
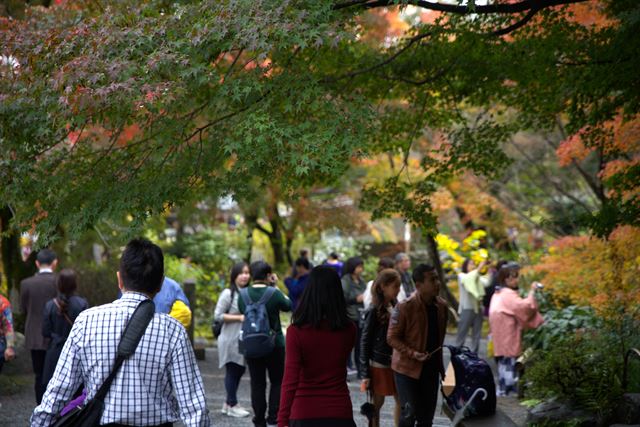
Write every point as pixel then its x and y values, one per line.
pixel 585 368
pixel 98 283
pixel 590 271
pixel 208 288
pixel 559 324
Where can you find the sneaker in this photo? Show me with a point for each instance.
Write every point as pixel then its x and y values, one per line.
pixel 225 408
pixel 237 411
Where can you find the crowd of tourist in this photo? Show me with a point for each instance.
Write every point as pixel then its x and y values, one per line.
pixel 388 332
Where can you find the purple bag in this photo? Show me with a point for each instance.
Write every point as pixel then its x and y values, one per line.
pixel 74 403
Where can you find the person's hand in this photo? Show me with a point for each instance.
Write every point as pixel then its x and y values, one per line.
pixel 9 354
pixel 360 298
pixel 364 384
pixel 274 278
pixel 241 318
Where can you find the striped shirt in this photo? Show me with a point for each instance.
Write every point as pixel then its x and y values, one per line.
pixel 160 383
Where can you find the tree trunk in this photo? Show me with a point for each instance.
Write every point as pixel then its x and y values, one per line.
pixel 288 244
pixel 14 268
pixel 276 237
pixel 432 248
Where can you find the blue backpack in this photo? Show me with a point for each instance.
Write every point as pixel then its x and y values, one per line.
pixel 257 339
pixel 475 391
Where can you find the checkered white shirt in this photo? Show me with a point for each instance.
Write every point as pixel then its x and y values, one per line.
pixel 160 383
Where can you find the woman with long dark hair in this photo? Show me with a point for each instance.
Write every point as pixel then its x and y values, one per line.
pixel 314 388
pixel 228 355
pixel 375 352
pixel 59 315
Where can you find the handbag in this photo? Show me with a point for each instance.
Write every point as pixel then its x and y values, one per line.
pixel 89 415
pixel 216 327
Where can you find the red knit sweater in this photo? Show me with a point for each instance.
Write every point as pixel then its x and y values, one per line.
pixel 315 374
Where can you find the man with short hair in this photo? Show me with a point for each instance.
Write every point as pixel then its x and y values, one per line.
pixel 403 264
pixel 159 384
pixel 35 292
pixel 416 333
pixel 272 363
pixel 297 282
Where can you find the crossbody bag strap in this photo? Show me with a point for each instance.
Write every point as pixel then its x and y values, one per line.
pixel 66 317
pixel 230 302
pixel 133 332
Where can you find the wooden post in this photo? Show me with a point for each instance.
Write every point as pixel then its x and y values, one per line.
pixel 190 292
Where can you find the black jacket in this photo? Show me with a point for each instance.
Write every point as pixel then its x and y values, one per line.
pixel 373 343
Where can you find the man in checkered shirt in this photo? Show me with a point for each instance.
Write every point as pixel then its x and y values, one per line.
pixel 156 386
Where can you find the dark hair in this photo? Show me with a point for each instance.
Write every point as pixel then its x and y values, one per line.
pixel 236 270
pixel 385 277
pixel 46 256
pixel 465 265
pixel 304 253
pixel 142 266
pixel 322 301
pixel 334 255
pixel 505 271
pixel 66 284
pixel 303 262
pixel 260 270
pixel 420 271
pixel 351 264
pixel 385 262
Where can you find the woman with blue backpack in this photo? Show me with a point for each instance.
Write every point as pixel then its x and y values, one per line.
pixel 229 356
pixel 262 340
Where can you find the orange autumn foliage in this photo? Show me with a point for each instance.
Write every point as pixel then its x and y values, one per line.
pixel 586 270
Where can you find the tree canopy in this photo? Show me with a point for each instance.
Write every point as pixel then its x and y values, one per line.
pixel 130 108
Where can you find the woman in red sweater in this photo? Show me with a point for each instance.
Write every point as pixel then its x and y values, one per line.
pixel 319 341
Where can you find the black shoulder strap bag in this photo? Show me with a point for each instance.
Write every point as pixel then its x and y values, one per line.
pixel 89 415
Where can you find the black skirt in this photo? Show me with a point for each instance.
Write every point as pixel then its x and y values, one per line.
pixel 323 422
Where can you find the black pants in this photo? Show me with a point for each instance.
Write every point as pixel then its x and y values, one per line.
pixel 418 398
pixel 258 368
pixel 232 380
pixel 354 362
pixel 37 362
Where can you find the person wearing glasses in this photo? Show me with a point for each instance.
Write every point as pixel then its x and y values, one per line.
pixel 509 315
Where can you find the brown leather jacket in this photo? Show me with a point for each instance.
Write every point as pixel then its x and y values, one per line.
pixel 408 333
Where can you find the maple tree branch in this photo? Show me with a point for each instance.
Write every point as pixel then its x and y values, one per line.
pixel 519 24
pixel 262 229
pixel 506 8
pixel 543 174
pixel 381 64
pixel 595 186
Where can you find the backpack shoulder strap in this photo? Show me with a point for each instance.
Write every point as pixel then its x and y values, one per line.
pixel 268 293
pixel 244 293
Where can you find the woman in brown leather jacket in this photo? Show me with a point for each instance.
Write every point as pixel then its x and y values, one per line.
pixel 375 353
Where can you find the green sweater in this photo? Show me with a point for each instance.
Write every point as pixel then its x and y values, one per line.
pixel 277 303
